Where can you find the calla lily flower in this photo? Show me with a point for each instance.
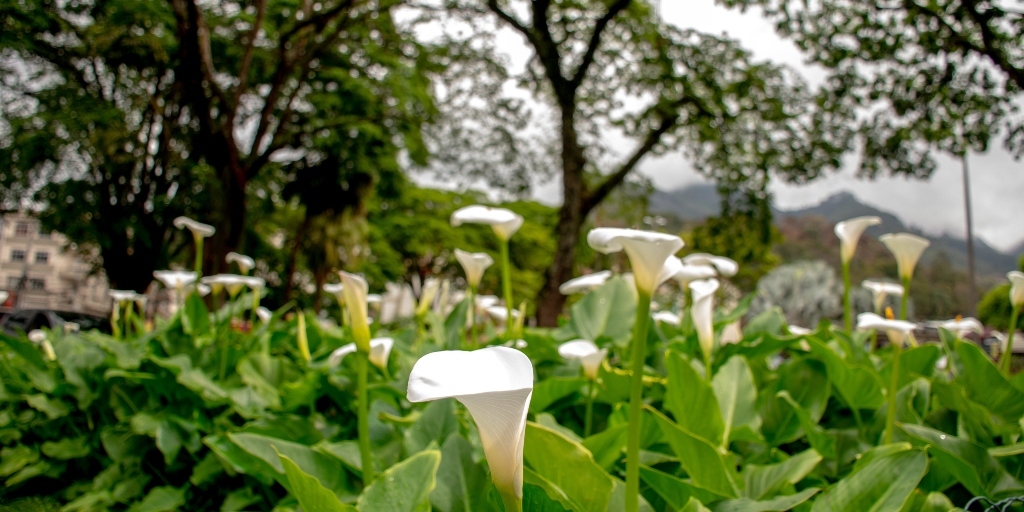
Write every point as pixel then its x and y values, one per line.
pixel 896 330
pixel 233 283
pixel 39 338
pixel 880 290
pixel 473 264
pixel 198 229
pixel 725 266
pixel 430 289
pixel 585 283
pixel 175 279
pixel 1016 278
pixel 732 333
pixel 907 249
pixel 495 384
pixel 4 296
pixel 686 273
pixel 355 290
pixel 961 326
pixel 647 252
pixel 796 330
pixel 500 314
pixel 264 314
pixel 380 350
pixel 485 302
pixel 245 263
pixel 517 344
pixel 203 290
pixel 36 336
pixel 122 296
pixel 667 317
pixel 849 232
pixel 374 298
pixel 702 310
pixel 504 222
pixel 587 353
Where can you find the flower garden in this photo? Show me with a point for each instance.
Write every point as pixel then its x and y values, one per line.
pixel 649 397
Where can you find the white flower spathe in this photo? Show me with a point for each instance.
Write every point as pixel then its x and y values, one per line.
pixel 961 326
pixel 36 336
pixel 685 273
pixel 586 352
pixel 264 314
pixel 473 264
pixel 355 290
pixel 203 290
pixel 198 229
pixel 122 296
pixel 666 317
pixel 429 291
pixel 732 333
pixel 233 283
pixel 647 252
pixel 380 350
pixel 796 330
pixel 725 266
pixel 907 249
pixel 880 290
pixel 896 330
pixel 255 283
pixel 175 279
pixel 585 283
pixel 500 314
pixel 1016 278
pixel 702 312
pixel 245 263
pixel 849 232
pixel 504 222
pixel 374 298
pixel 495 384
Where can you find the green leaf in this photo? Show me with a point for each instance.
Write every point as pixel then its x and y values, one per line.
pixel 37 370
pixel 312 495
pixel 195 318
pixel 737 395
pixel 858 383
pixel 676 491
pixel 971 464
pixel 67 448
pixel 985 384
pixel 693 505
pixel 455 324
pixel 404 487
pixel 691 400
pixel 701 459
pixel 805 381
pixel 161 499
pixel 434 425
pixel 553 389
pixel 53 407
pixel 820 439
pixel 206 470
pixel 765 481
pixel 13 458
pixel 192 378
pixel 608 311
pixel 566 465
pixel 322 467
pixel 168 441
pixel 536 499
pixel 883 484
pixel 607 447
pixel 778 504
pixel 462 484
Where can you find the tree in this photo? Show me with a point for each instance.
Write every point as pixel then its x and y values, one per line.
pixel 612 67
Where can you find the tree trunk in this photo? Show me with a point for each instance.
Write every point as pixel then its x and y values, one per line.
pixel 570 220
pixel 289 276
pixel 972 292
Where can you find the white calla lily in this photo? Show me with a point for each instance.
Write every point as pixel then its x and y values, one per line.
pixel 724 266
pixel 380 350
pixel 473 264
pixel 732 333
pixel 175 279
pixel 1016 278
pixel 36 336
pixel 39 338
pixel 702 313
pixel 896 330
pixel 504 222
pixel 427 295
pixel 198 229
pixel 374 298
pixel 961 326
pixel 882 289
pixel 585 283
pixel 485 302
pixel 647 252
pixel 796 330
pixel 203 290
pixel 666 317
pixel 355 290
pixel 849 232
pixel 495 384
pixel 587 353
pixel 245 263
pixel 907 249
pixel 122 296
pixel 264 314
pixel 233 283
pixel 500 314
pixel 688 272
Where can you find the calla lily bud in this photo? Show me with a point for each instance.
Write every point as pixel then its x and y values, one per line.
pixel 666 317
pixel 380 350
pixel 474 264
pixel 355 290
pixel 647 252
pixel 907 249
pixel 726 267
pixel 303 338
pixel 430 289
pixel 495 384
pixel 245 263
pixel 849 232
pixel 880 290
pixel 585 283
pixel 587 353
pixel 198 229
pixel 175 279
pixel 702 313
pixel 961 326
pixel 1016 278
pixel 504 222
pixel 896 330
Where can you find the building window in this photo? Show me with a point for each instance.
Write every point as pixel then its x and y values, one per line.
pixel 17 255
pixel 36 284
pixel 12 283
pixel 42 257
pixel 21 229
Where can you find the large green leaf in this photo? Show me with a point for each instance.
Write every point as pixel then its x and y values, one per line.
pixel 404 487
pixel 858 383
pixel 566 465
pixel 437 422
pixel 608 312
pixel 319 465
pixel 676 491
pixel 312 495
pixel 462 483
pixel 737 395
pixel 195 318
pixel 691 400
pixel 693 505
pixel 777 504
pixel 607 446
pixel 706 466
pixel 881 485
pixel 985 384
pixel 765 481
pixel 971 464
pixel 805 381
pixel 161 499
pixel 819 439
pixel 551 390
pixel 455 324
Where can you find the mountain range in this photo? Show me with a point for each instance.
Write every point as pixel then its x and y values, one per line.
pixel 697 202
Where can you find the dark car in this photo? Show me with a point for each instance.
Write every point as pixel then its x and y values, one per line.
pixel 25 320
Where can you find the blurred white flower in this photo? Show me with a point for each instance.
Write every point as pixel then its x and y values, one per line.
pixel 907 249
pixel 175 279
pixel 495 384
pixel 380 350
pixel 880 290
pixel 500 314
pixel 961 326
pixel 647 252
pixel 725 266
pixel 427 295
pixel 36 336
pixel 39 338
pixel 585 283
pixel 702 313
pixel 198 229
pixel 1016 278
pixel 849 232
pixel 587 353
pixel 504 222
pixel 355 290
pixel 732 333
pixel 122 296
pixel 666 317
pixel 264 314
pixel 796 330
pixel 896 330
pixel 233 283
pixel 473 264
pixel 245 263
pixel 685 273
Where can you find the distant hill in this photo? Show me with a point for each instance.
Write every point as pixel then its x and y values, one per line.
pixel 697 202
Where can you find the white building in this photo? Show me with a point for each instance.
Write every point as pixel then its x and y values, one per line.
pixel 39 273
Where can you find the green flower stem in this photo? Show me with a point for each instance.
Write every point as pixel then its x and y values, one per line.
pixel 128 316
pixel 512 502
pixel 904 298
pixel 588 417
pixel 506 284
pixel 472 316
pixel 362 367
pixel 115 320
pixel 199 256
pixel 255 305
pixel 643 310
pixel 847 309
pixel 1006 356
pixel 708 372
pixel 894 382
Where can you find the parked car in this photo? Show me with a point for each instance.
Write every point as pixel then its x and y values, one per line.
pixel 25 320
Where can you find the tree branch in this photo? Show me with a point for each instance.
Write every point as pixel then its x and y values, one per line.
pixel 595 41
pixel 250 45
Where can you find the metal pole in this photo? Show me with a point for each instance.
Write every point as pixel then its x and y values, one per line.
pixel 972 294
